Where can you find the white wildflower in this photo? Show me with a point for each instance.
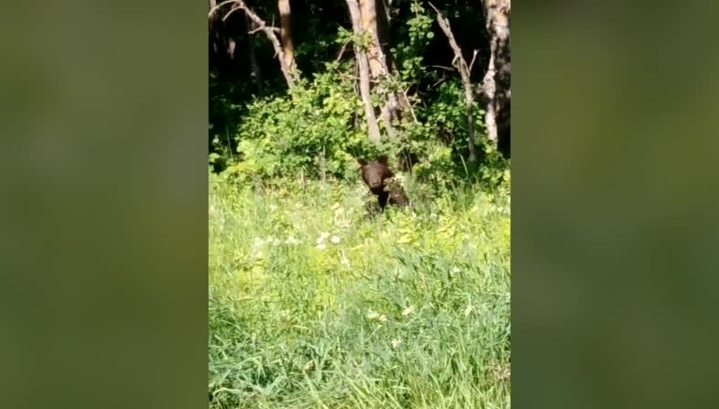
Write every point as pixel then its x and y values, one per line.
pixel 376 316
pixel 309 365
pixel 344 261
pixel 468 310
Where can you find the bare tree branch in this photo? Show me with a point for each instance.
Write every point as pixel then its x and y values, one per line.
pixel 269 31
pixel 461 65
pixel 342 51
pixel 217 7
pixel 275 29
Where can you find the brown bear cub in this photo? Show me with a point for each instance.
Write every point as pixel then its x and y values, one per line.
pixel 379 178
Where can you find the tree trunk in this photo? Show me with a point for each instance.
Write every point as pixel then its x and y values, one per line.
pixel 375 25
pixel 374 20
pixel 378 62
pixel 496 87
pixel 286 34
pixel 364 73
pixel 368 15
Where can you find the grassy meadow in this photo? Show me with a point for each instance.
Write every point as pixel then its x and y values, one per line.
pixel 314 305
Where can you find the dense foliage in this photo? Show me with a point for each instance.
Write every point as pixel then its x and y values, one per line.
pixel 262 129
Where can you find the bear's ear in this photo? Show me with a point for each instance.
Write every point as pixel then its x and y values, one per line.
pixel 361 161
pixel 382 159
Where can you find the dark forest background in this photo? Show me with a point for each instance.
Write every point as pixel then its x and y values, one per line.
pixel 305 87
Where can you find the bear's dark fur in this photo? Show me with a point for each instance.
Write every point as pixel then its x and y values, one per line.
pixel 379 178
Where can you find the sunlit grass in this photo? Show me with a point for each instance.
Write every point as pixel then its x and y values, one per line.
pixel 313 305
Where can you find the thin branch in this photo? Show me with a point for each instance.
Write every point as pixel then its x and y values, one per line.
pixel 411 109
pixel 474 56
pixel 258 29
pixel 217 7
pixel 230 12
pixel 342 51
pixel 439 81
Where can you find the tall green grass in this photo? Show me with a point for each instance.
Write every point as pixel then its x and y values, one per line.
pixel 314 305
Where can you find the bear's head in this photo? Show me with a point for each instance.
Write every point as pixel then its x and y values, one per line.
pixel 375 173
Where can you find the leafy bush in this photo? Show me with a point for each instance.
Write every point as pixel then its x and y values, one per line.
pixel 309 131
pixel 318 128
